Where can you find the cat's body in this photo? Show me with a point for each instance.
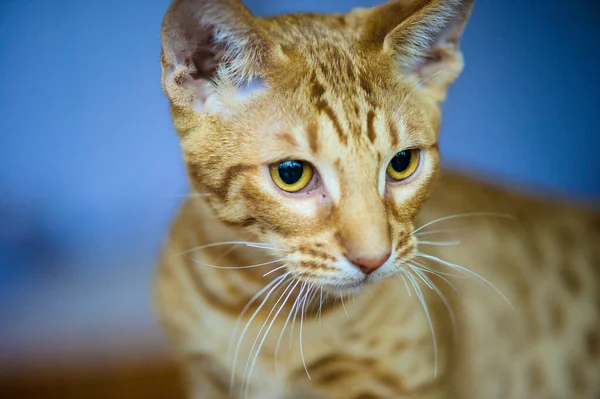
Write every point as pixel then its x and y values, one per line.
pixel 548 346
pixel 344 255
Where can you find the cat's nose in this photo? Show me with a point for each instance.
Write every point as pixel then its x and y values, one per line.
pixel 369 265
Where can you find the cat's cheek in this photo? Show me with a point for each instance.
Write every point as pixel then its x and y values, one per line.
pixel 324 200
pixel 303 206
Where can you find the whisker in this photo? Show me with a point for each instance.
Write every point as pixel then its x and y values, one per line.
pixel 264 337
pixel 279 311
pixel 278 281
pixel 439 243
pixel 302 312
pixel 435 272
pixel 260 245
pixel 285 325
pixel 313 295
pixel 198 262
pixel 274 270
pixel 440 275
pixel 343 304
pixel 431 284
pixel 419 295
pixel 420 277
pixel 405 283
pixel 320 304
pixel 297 303
pixel 440 231
pixel 463 215
pixel 227 252
pixel 465 271
pixel 418 86
pixel 244 310
pixel 216 244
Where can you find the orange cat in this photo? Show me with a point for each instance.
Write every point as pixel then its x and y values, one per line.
pixel 307 263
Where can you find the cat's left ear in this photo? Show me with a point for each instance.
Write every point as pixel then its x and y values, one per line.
pixel 423 37
pixel 205 42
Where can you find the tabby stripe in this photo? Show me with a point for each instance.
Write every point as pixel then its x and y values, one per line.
pixel 288 138
pixel 324 107
pixel 315 253
pixel 316 92
pixel 212 371
pixel 222 190
pixel 337 360
pixel 243 222
pixel 312 265
pixel 394 136
pixel 230 174
pixel 313 137
pixel 370 128
pixel 365 85
pixel 212 298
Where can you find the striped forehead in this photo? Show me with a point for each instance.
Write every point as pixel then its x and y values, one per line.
pixel 349 149
pixel 347 110
pixel 346 129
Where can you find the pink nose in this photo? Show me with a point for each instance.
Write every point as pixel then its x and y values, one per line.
pixel 369 265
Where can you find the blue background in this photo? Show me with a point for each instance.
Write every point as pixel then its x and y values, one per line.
pixel 90 169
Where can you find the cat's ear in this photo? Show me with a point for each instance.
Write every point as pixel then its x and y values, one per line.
pixel 423 36
pixel 204 41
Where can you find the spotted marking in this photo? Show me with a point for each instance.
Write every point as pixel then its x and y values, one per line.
pixel 557 317
pixel 571 279
pixel 592 343
pixel 537 379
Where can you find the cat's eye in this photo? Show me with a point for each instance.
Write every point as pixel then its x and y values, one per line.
pixel 404 164
pixel 291 176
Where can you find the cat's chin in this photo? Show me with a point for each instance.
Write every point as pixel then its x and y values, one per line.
pixel 356 286
pixel 346 289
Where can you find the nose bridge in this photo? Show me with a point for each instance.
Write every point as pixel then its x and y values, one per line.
pixel 364 226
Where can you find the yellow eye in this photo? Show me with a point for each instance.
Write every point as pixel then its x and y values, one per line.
pixel 404 164
pixel 291 176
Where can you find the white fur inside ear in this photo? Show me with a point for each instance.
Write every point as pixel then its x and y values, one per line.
pixel 206 99
pixel 250 89
pixel 225 96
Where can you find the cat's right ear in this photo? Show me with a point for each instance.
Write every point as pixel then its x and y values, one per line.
pixel 422 36
pixel 204 42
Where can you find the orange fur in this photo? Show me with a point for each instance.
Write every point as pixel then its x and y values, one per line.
pixel 345 93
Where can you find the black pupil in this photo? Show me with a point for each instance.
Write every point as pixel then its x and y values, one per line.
pixel 290 172
pixel 401 161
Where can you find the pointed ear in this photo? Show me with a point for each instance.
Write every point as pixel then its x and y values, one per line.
pixel 423 36
pixel 205 42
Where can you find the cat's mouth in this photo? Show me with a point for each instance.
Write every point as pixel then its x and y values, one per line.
pixel 343 277
pixel 356 283
pixel 345 288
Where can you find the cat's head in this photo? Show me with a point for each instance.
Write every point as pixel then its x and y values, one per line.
pixel 316 134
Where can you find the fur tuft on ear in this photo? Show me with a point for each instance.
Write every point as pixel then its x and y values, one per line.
pixel 206 42
pixel 423 36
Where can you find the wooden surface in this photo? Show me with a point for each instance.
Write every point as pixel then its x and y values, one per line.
pixel 157 380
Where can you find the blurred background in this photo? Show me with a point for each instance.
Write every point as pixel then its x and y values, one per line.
pixel 91 173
